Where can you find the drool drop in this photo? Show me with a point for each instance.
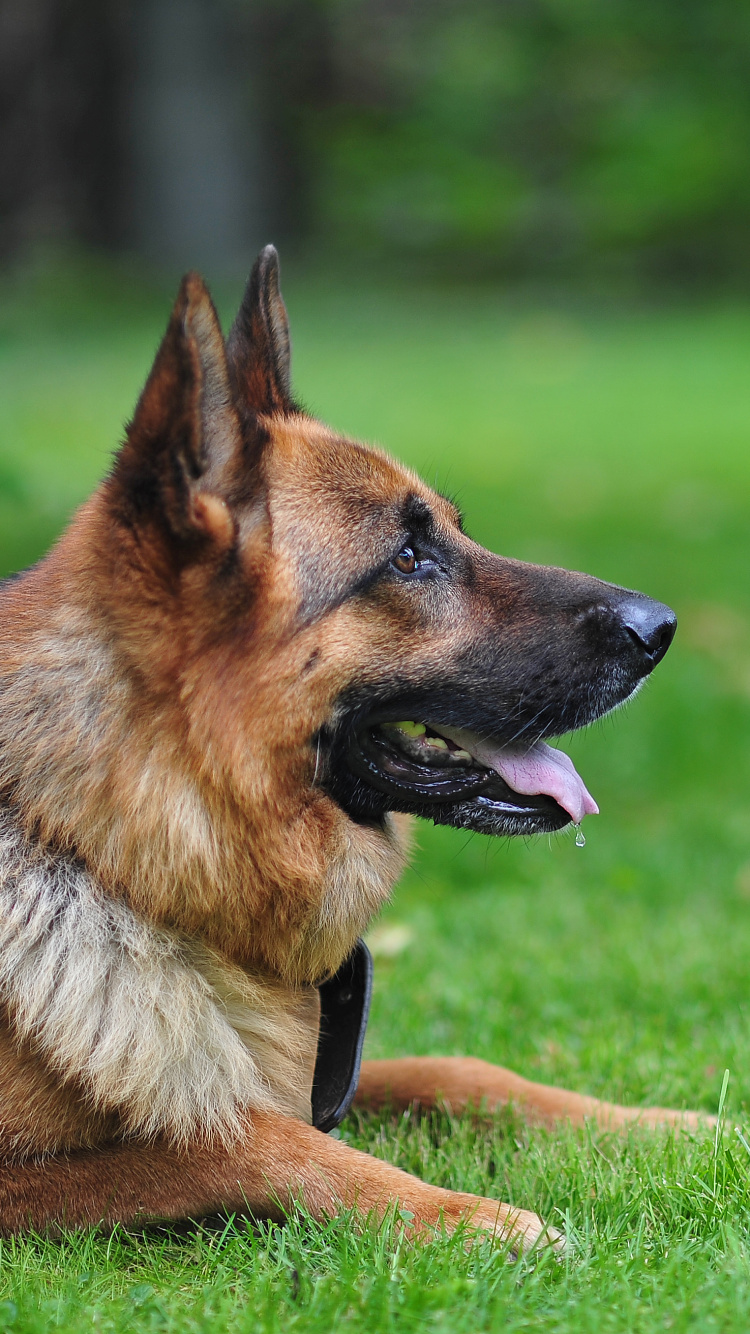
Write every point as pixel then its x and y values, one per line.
pixel 580 837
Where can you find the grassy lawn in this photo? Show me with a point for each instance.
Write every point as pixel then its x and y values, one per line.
pixel 618 443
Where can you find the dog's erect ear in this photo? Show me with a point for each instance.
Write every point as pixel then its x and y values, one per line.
pixel 184 443
pixel 258 346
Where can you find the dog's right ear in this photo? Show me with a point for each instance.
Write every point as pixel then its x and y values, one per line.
pixel 184 447
pixel 258 347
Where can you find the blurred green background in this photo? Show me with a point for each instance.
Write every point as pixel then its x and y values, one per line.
pixel 543 139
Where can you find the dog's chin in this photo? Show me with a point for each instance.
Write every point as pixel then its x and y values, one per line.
pixel 420 770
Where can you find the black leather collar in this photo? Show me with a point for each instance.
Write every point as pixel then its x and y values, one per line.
pixel 344 1010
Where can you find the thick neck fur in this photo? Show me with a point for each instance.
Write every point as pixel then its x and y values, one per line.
pixel 152 1033
pixel 124 743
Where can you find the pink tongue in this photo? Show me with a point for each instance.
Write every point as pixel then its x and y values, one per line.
pixel 532 772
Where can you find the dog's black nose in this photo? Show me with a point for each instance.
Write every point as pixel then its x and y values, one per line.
pixel 650 625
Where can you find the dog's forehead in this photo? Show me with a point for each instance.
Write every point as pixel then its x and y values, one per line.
pixel 358 483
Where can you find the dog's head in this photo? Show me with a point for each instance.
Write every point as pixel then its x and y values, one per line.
pixel 328 623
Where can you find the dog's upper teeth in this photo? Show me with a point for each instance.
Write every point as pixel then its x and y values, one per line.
pixel 418 732
pixel 411 729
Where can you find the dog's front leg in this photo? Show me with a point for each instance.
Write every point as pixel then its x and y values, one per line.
pixel 459 1082
pixel 278 1162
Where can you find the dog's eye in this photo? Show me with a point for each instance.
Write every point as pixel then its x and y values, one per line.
pixel 406 561
pixel 412 561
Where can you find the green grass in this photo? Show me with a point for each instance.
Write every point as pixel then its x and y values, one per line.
pixel 615 442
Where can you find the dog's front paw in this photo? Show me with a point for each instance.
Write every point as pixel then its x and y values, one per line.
pixel 661 1118
pixel 526 1231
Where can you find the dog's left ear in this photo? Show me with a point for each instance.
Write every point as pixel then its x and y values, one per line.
pixel 258 347
pixel 184 445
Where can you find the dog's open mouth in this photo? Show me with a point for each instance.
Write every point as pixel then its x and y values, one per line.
pixel 428 765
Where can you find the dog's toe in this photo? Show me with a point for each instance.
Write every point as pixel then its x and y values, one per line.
pixel 526 1230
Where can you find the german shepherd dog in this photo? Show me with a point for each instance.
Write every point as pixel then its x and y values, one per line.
pixel 257 651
